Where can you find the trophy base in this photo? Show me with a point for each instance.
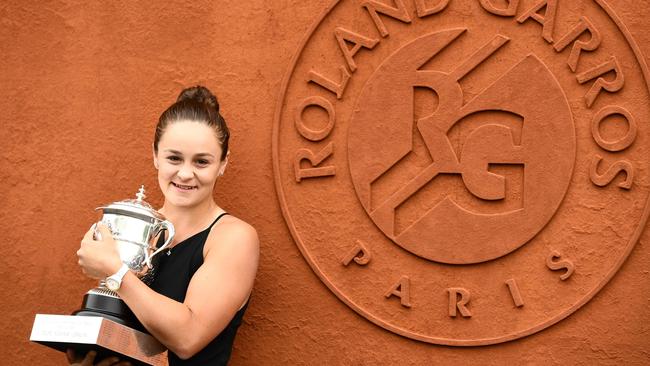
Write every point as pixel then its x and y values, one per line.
pixel 106 304
pixel 107 338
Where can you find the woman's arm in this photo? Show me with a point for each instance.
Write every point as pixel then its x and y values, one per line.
pixel 215 293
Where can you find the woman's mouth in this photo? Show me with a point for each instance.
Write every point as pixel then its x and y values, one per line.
pixel 183 187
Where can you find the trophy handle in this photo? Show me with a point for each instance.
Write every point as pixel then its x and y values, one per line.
pixel 165 225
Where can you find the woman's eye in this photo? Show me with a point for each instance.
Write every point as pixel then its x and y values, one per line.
pixel 202 162
pixel 173 158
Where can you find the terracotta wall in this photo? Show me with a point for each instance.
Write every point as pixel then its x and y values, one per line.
pixel 83 84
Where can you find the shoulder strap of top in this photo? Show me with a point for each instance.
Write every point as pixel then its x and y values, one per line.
pixel 215 220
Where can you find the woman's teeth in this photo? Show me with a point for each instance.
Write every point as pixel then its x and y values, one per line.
pixel 183 187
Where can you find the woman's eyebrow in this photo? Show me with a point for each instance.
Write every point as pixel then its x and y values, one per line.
pixel 205 154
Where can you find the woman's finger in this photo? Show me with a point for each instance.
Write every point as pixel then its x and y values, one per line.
pixel 104 230
pixel 72 356
pixel 108 361
pixel 89 359
pixel 88 236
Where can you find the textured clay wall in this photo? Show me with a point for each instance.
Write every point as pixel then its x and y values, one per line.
pixel 442 182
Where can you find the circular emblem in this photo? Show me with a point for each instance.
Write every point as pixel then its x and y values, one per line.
pixel 464 172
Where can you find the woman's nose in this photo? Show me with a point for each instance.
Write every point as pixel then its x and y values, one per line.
pixel 185 172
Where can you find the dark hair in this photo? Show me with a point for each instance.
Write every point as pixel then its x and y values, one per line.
pixel 196 104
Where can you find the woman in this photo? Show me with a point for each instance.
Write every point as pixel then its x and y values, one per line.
pixel 201 288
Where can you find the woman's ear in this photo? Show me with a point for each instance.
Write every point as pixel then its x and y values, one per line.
pixel 155 157
pixel 224 163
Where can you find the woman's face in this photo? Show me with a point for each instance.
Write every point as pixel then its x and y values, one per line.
pixel 188 163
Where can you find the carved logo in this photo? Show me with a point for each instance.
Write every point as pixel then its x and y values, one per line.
pixel 539 141
pixel 464 172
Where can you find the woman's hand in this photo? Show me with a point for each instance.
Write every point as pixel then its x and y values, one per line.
pixel 99 258
pixel 88 360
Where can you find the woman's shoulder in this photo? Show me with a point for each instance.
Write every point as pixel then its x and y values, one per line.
pixel 234 233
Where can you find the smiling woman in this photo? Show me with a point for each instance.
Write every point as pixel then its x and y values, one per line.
pixel 188 163
pixel 201 288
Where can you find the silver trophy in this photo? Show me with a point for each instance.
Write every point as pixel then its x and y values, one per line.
pixel 104 323
pixel 134 225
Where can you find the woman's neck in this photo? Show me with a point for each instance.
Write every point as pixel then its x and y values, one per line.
pixel 190 220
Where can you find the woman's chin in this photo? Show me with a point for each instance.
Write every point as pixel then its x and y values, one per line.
pixel 181 199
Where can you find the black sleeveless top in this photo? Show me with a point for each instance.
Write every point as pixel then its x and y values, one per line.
pixel 172 277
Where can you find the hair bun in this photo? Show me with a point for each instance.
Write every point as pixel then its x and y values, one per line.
pixel 199 94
